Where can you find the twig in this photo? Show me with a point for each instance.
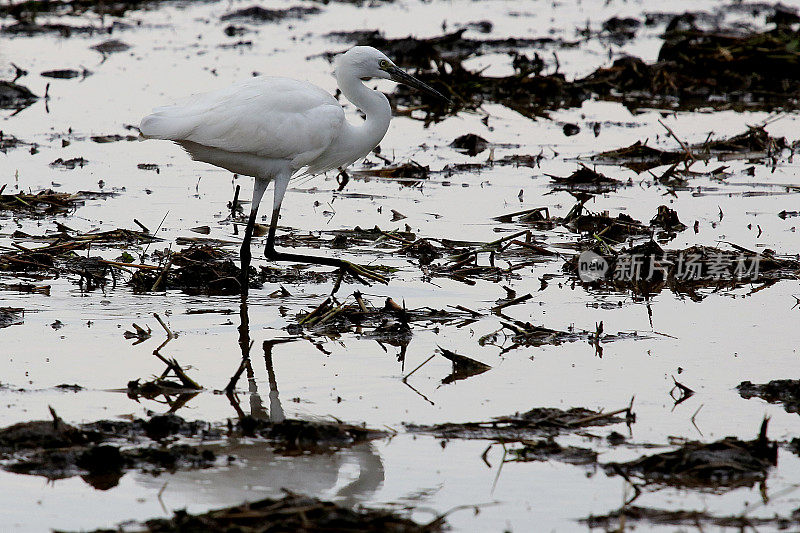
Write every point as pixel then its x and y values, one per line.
pixel 514 301
pixel 144 228
pixel 418 367
pixel 156 232
pixel 163 325
pixel 600 416
pixel 683 145
pixel 163 274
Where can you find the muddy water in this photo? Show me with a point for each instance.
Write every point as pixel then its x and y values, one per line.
pixel 177 48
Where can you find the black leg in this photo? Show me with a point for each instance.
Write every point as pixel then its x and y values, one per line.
pixel 244 253
pixel 356 271
pixel 259 186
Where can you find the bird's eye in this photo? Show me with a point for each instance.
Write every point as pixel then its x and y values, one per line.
pixel 384 64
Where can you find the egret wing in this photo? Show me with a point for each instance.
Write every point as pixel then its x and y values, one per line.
pixel 270 117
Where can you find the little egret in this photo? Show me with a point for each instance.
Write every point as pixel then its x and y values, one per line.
pixel 274 128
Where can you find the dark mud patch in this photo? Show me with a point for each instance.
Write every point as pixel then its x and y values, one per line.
pixel 293 512
pixel 413 52
pixel 616 520
pixel 8 142
pixel 56 450
pixel 261 15
pixel 525 426
pixel 29 10
pixel 726 463
pixel 103 451
pixel 782 391
pixel 470 143
pixel 297 437
pixel 100 139
pixel 11 316
pixel 69 164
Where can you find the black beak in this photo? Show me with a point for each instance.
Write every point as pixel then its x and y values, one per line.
pixel 407 79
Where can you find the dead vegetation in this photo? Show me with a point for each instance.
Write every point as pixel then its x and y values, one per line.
pixel 59 258
pixel 718 68
pixel 753 144
pixel 648 269
pixel 550 450
pixel 13 96
pixel 780 391
pixel 198 269
pixel 259 14
pixel 293 512
pixel 615 520
pixel 10 316
pixel 726 463
pixel 529 425
pixel 47 202
pixel 56 450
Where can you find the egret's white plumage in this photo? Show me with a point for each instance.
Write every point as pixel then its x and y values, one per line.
pixel 271 128
pixel 273 118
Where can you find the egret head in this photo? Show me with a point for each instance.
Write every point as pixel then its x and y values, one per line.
pixel 366 62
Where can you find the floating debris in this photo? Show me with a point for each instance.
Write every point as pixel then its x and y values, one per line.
pixel 647 268
pixel 355 311
pixel 293 512
pixel 692 519
pixel 586 179
pixel 470 144
pixel 10 316
pixel 260 14
pixel 66 73
pixel 667 219
pixel 13 96
pixel 199 269
pixel 463 367
pixel 520 427
pixel 55 449
pixel 755 143
pixel 782 391
pixel 111 46
pixel 403 172
pixel 9 141
pixel 47 201
pixel 112 138
pixel 549 450
pixel 639 157
pixel 69 164
pixel 729 462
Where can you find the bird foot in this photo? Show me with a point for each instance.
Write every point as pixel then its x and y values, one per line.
pixel 361 273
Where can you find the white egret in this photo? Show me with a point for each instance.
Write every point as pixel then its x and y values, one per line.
pixel 274 128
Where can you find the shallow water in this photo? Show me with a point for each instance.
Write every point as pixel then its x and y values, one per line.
pixel 711 345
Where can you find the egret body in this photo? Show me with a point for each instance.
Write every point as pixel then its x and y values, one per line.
pixel 274 128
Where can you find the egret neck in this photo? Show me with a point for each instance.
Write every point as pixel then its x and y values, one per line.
pixel 362 139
